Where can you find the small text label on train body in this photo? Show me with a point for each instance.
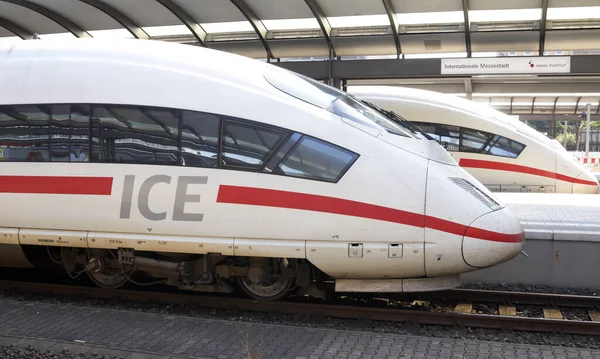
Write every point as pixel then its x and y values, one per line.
pixel 143 197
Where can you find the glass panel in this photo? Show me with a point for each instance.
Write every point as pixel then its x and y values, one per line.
pixel 248 146
pixel 506 148
pixel 199 139
pixel 135 135
pixel 291 24
pixel 80 132
pixel 473 140
pixel 316 159
pixel 24 133
pixel 429 128
pixel 358 20
pixel 449 137
pixel 60 132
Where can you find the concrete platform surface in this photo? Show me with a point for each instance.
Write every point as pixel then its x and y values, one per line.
pixel 556 216
pixel 148 335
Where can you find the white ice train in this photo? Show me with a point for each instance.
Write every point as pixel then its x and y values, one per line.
pixel 503 153
pixel 141 161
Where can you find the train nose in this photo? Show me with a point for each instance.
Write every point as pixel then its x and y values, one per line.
pixel 492 239
pixel 586 183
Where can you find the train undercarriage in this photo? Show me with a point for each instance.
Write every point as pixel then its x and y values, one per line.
pixel 263 279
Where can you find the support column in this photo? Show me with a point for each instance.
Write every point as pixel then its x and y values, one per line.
pixel 588 109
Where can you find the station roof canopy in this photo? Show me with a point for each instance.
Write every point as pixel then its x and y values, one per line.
pixel 292 29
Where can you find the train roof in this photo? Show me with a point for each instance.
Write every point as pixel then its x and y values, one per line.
pixel 436 98
pixel 195 60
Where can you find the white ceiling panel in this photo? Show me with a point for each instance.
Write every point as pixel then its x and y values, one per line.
pixel 144 12
pixel 28 19
pixel 432 43
pixel 504 4
pixel 364 45
pixel 505 41
pixel 252 49
pixel 566 40
pixel 211 10
pixel 280 9
pixel 351 7
pixel 412 6
pixel 572 3
pixel 299 47
pixel 87 17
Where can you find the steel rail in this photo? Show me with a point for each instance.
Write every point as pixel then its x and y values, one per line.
pixel 327 310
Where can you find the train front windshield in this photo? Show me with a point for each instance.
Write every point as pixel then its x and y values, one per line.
pixel 334 101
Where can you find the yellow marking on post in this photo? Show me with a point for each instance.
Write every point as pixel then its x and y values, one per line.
pixel 552 314
pixel 595 316
pixel 507 310
pixel 464 308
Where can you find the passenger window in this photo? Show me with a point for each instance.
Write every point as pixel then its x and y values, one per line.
pixel 248 146
pixel 504 147
pixel 127 134
pixel 25 133
pixel 473 141
pixel 316 159
pixel 199 139
pixel 60 132
pixel 450 137
pixel 429 128
pixel 80 130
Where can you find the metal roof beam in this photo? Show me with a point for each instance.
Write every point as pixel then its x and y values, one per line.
pixel 467 27
pixel 256 23
pixel 15 29
pixel 70 26
pixel 543 28
pixel 389 8
pixel 186 19
pixel 119 17
pixel 323 22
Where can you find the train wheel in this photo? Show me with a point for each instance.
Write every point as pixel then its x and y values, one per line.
pixel 106 272
pixel 266 291
pixel 264 284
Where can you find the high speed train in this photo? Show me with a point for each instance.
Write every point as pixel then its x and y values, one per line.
pixel 503 153
pixel 139 162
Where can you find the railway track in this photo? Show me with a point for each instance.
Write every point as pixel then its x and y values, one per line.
pixel 381 309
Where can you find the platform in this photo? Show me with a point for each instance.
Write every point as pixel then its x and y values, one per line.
pixel 556 216
pixel 147 335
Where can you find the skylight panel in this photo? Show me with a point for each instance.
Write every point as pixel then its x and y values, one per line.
pixel 573 13
pixel 359 21
pixel 167 30
pixel 425 18
pixel 58 36
pixel 291 24
pixel 229 26
pixel 435 55
pixel 505 15
pixel 111 34
pixel 9 39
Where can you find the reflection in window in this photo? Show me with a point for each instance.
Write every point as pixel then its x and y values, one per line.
pixel 248 146
pixel 473 140
pixel 450 137
pixel 454 138
pixel 24 133
pixel 80 129
pixel 199 139
pixel 125 134
pixel 316 159
pixel 502 146
pixel 60 132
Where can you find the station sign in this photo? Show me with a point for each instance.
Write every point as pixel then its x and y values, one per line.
pixel 506 65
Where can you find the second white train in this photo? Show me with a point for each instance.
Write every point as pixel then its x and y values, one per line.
pixel 503 153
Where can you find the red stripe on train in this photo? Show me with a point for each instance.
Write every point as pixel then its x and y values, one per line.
pixel 317 203
pixel 501 166
pixel 56 185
